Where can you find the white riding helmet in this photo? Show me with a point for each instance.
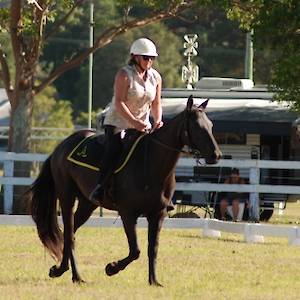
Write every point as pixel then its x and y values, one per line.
pixel 143 46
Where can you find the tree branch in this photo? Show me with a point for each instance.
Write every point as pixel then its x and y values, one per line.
pixel 109 35
pixel 15 26
pixel 36 42
pixel 34 2
pixel 64 19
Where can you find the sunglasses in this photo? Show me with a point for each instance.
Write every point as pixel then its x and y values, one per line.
pixel 146 57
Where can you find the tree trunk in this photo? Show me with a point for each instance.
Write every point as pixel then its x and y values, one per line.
pixel 20 126
pixel 20 123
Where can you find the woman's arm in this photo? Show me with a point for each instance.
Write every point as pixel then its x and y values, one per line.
pixel 156 109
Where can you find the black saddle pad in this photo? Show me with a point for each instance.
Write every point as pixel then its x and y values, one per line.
pixel 88 152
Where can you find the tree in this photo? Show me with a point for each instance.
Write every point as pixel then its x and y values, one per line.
pixel 26 24
pixel 276 26
pixel 49 112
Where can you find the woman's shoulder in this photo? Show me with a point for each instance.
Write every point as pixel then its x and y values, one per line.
pixel 155 73
pixel 124 72
pixel 122 77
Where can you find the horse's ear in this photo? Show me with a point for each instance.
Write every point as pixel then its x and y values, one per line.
pixel 190 103
pixel 204 104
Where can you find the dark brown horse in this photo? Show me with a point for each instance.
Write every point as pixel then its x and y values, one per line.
pixel 143 187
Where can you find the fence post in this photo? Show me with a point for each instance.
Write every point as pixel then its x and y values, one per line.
pixel 251 237
pixel 207 232
pixel 294 236
pixel 8 188
pixel 254 197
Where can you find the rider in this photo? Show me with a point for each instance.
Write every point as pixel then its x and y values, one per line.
pixel 137 91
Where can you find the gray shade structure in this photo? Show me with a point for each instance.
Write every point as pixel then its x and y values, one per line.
pixel 242 111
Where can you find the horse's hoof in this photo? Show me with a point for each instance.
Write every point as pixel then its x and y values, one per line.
pixel 155 283
pixel 78 280
pixel 56 272
pixel 53 272
pixel 111 269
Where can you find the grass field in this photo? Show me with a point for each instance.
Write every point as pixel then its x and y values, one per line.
pixel 290 215
pixel 189 267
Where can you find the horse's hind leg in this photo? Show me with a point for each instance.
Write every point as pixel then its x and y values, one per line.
pixel 84 210
pixel 67 200
pixel 129 223
pixel 155 223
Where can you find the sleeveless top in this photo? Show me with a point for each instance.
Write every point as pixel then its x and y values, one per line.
pixel 235 195
pixel 139 99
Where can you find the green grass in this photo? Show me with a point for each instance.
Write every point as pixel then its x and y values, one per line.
pixel 290 215
pixel 189 267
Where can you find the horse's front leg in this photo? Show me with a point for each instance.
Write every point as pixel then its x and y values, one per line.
pixel 155 223
pixel 129 223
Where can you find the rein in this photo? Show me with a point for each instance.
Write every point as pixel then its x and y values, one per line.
pixel 191 151
pixel 169 147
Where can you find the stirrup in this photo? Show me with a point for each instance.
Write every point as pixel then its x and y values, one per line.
pixel 97 194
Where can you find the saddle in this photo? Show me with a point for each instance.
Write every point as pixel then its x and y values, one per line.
pixel 88 152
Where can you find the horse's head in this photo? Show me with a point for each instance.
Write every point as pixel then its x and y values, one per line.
pixel 197 133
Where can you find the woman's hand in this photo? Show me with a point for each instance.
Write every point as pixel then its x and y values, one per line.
pixel 157 125
pixel 140 125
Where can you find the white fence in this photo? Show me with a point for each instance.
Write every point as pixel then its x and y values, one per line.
pixel 253 233
pixel 42 133
pixel 254 187
pixel 213 228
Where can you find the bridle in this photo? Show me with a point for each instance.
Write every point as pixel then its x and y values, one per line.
pixel 191 148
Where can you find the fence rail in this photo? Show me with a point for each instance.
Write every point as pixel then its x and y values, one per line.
pixel 253 233
pixel 209 227
pixel 254 187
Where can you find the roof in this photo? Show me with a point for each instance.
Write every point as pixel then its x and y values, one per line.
pixel 236 111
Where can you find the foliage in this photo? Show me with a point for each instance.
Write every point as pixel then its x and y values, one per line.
pixel 53 117
pixel 276 26
pixel 221 42
pixel 82 119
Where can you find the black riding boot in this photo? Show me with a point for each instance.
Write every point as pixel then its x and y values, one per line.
pixel 109 159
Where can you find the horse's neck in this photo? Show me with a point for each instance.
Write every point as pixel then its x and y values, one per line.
pixel 166 150
pixel 170 133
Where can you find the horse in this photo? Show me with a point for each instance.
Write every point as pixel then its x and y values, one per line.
pixel 144 186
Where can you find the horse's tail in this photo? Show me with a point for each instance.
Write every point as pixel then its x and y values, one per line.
pixel 42 202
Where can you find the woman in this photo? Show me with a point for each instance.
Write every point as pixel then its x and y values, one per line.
pixel 233 198
pixel 137 92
